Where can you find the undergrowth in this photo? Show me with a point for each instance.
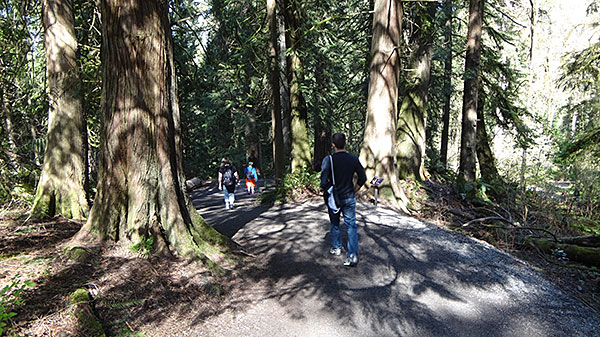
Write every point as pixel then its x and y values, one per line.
pixel 294 186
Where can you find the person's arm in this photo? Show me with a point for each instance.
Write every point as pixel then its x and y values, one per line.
pixel 220 179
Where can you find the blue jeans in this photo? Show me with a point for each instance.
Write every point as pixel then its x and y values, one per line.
pixel 348 207
pixel 229 197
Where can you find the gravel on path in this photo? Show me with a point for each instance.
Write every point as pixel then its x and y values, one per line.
pixel 413 279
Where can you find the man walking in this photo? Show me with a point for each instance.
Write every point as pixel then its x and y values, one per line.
pixel 345 165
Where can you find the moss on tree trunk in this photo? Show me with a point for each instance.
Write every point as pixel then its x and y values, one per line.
pixel 468 152
pixel 378 151
pixel 62 185
pixel 88 323
pixel 141 198
pixel 411 133
pixel 301 156
pixel 586 255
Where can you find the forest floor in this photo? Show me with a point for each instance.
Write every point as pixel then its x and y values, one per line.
pixel 415 278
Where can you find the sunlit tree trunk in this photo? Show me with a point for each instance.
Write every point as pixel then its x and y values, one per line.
pixel 377 153
pixel 141 198
pixel 276 127
pixel 448 12
pixel 62 185
pixel 468 144
pixel 301 156
pixel 410 143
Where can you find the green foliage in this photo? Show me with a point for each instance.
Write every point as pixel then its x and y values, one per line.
pixel 476 192
pixel 145 247
pixel 11 297
pixel 293 186
pixel 587 225
pixel 22 97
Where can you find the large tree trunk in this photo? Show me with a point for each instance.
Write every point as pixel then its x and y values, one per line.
pixel 410 144
pixel 448 12
pixel 485 156
pixel 276 126
pixel 141 197
pixel 301 156
pixel 468 144
pixel 62 185
pixel 377 153
pixel 286 110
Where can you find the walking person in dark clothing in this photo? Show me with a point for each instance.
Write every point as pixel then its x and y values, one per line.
pixel 228 178
pixel 345 165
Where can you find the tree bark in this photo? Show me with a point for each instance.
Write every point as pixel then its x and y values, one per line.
pixel 448 12
pixel 410 144
pixel 468 144
pixel 62 185
pixel 377 153
pixel 276 126
pixel 286 113
pixel 321 121
pixel 141 198
pixel 485 156
pixel 8 130
pixel 301 156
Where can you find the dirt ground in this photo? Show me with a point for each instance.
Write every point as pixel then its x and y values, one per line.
pixel 148 296
pixel 134 295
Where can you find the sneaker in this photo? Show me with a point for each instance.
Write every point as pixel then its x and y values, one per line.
pixel 351 261
pixel 226 206
pixel 335 251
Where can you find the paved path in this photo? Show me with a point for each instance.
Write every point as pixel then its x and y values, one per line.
pixel 413 279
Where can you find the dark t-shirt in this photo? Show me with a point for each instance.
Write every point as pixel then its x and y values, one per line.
pixel 345 165
pixel 224 169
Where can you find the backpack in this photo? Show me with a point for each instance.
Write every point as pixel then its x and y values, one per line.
pixel 228 178
pixel 249 173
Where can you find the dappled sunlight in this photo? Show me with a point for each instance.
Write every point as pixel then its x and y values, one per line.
pixel 409 272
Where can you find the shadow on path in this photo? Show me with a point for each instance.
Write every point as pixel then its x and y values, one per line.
pixel 209 203
pixel 413 279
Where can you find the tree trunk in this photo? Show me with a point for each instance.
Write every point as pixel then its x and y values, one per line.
pixel 62 185
pixel 410 144
pixel 485 156
pixel 301 156
pixel 8 129
pixel 321 121
pixel 284 89
pixel 141 199
pixel 377 153
pixel 469 112
pixel 276 127
pixel 252 140
pixel 448 12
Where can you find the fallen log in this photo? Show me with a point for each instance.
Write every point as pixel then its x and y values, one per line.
pixel 89 325
pixel 586 241
pixel 587 255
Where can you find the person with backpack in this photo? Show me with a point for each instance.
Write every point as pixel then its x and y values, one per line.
pixel 228 178
pixel 338 171
pixel 251 177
